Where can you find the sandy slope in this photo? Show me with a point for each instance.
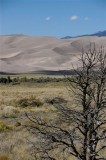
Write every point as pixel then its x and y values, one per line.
pixel 20 53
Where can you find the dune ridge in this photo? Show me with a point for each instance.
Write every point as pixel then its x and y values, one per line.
pixel 21 53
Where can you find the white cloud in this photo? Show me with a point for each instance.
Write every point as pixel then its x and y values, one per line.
pixel 73 18
pixel 48 18
pixel 86 18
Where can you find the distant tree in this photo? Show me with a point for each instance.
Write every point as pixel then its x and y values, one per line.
pixel 9 79
pixel 80 131
pixel 3 80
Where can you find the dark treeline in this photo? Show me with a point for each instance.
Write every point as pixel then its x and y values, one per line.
pixel 7 80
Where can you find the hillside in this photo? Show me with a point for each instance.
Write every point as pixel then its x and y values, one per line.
pixel 98 34
pixel 21 53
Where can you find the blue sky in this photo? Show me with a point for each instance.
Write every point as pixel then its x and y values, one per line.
pixel 56 18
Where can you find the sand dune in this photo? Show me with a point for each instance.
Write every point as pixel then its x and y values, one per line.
pixel 21 53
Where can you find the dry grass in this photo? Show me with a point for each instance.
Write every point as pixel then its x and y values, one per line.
pixel 10 93
pixel 4 157
pixel 14 143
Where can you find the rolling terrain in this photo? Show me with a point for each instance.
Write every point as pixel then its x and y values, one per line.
pixel 22 53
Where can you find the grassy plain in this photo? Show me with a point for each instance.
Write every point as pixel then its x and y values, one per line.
pixel 14 137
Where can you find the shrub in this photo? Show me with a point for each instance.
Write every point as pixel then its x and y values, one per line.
pixel 9 115
pixel 26 102
pixel 10 112
pixel 56 100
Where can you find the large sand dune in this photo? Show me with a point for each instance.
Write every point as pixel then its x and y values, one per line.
pixel 20 53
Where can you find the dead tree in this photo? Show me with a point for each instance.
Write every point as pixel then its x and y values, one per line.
pixel 80 131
